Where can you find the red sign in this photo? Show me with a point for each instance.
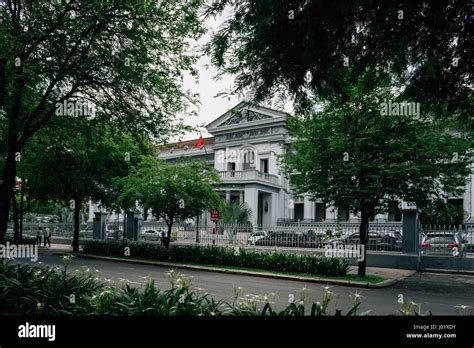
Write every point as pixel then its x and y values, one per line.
pixel 214 215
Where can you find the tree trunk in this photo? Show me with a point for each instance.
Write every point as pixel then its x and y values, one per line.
pixel 22 210
pixel 197 228
pixel 16 225
pixel 363 229
pixel 77 211
pixel 124 224
pixel 6 190
pixel 167 239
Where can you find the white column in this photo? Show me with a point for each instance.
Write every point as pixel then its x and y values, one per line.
pixel 251 198
pixel 227 196
pixel 241 196
pixel 308 210
pixel 331 214
pixel 469 196
pixel 91 211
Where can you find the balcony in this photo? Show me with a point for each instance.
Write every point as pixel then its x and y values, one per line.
pixel 249 176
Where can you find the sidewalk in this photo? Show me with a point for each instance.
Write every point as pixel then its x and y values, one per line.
pixel 387 273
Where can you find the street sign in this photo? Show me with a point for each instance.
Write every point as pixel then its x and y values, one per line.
pixel 214 215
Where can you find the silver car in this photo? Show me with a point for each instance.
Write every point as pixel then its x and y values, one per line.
pixel 256 237
pixel 151 234
pixel 441 243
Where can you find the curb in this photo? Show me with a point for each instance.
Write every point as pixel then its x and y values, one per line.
pixel 383 284
pixel 447 271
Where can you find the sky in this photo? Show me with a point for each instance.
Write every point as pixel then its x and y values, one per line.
pixel 211 107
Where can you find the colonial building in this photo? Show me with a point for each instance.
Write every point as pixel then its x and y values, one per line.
pixel 247 143
pixel 245 149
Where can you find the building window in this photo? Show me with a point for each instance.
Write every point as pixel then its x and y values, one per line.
pixel 231 168
pixel 264 165
pixel 320 212
pixel 249 159
pixel 299 211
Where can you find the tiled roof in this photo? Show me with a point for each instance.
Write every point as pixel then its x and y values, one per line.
pixel 183 144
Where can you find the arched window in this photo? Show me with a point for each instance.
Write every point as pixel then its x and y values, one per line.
pixel 248 158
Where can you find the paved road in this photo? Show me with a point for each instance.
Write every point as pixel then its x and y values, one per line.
pixel 436 292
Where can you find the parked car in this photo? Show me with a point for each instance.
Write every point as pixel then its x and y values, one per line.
pixel 256 237
pixel 312 239
pixel 282 239
pixel 87 229
pixel 112 232
pixel 151 234
pixel 441 243
pixel 376 241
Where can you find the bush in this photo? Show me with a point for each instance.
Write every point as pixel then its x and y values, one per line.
pixel 26 290
pixel 24 240
pixel 225 256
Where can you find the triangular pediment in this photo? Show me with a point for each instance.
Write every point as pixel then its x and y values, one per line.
pixel 245 113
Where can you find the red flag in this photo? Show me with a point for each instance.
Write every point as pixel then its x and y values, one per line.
pixel 199 143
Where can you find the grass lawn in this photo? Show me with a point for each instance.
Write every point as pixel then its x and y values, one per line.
pixel 372 279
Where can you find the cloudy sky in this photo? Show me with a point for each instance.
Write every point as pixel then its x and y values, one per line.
pixel 211 106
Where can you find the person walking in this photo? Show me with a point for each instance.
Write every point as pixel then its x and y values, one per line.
pixel 47 236
pixel 38 236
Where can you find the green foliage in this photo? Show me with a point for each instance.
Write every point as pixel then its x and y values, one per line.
pixel 178 190
pixel 26 290
pixel 439 212
pixel 231 213
pixel 352 155
pixel 24 240
pixel 224 256
pixel 126 58
pixel 424 45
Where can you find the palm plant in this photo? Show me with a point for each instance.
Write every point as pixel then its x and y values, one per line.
pixel 235 214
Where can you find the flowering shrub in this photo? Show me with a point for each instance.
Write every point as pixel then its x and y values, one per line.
pixel 26 290
pixel 224 256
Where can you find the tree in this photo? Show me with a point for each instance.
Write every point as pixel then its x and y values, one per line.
pixel 179 190
pixel 75 169
pixel 438 212
pixel 306 46
pixel 353 155
pixel 123 58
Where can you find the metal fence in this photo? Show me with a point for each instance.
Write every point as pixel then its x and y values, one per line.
pixel 58 230
pixel 381 237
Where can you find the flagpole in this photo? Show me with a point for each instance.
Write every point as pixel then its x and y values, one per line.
pixel 197 217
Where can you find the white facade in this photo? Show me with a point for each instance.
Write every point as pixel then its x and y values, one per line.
pixel 248 141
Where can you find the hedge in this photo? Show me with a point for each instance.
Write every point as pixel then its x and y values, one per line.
pixel 223 256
